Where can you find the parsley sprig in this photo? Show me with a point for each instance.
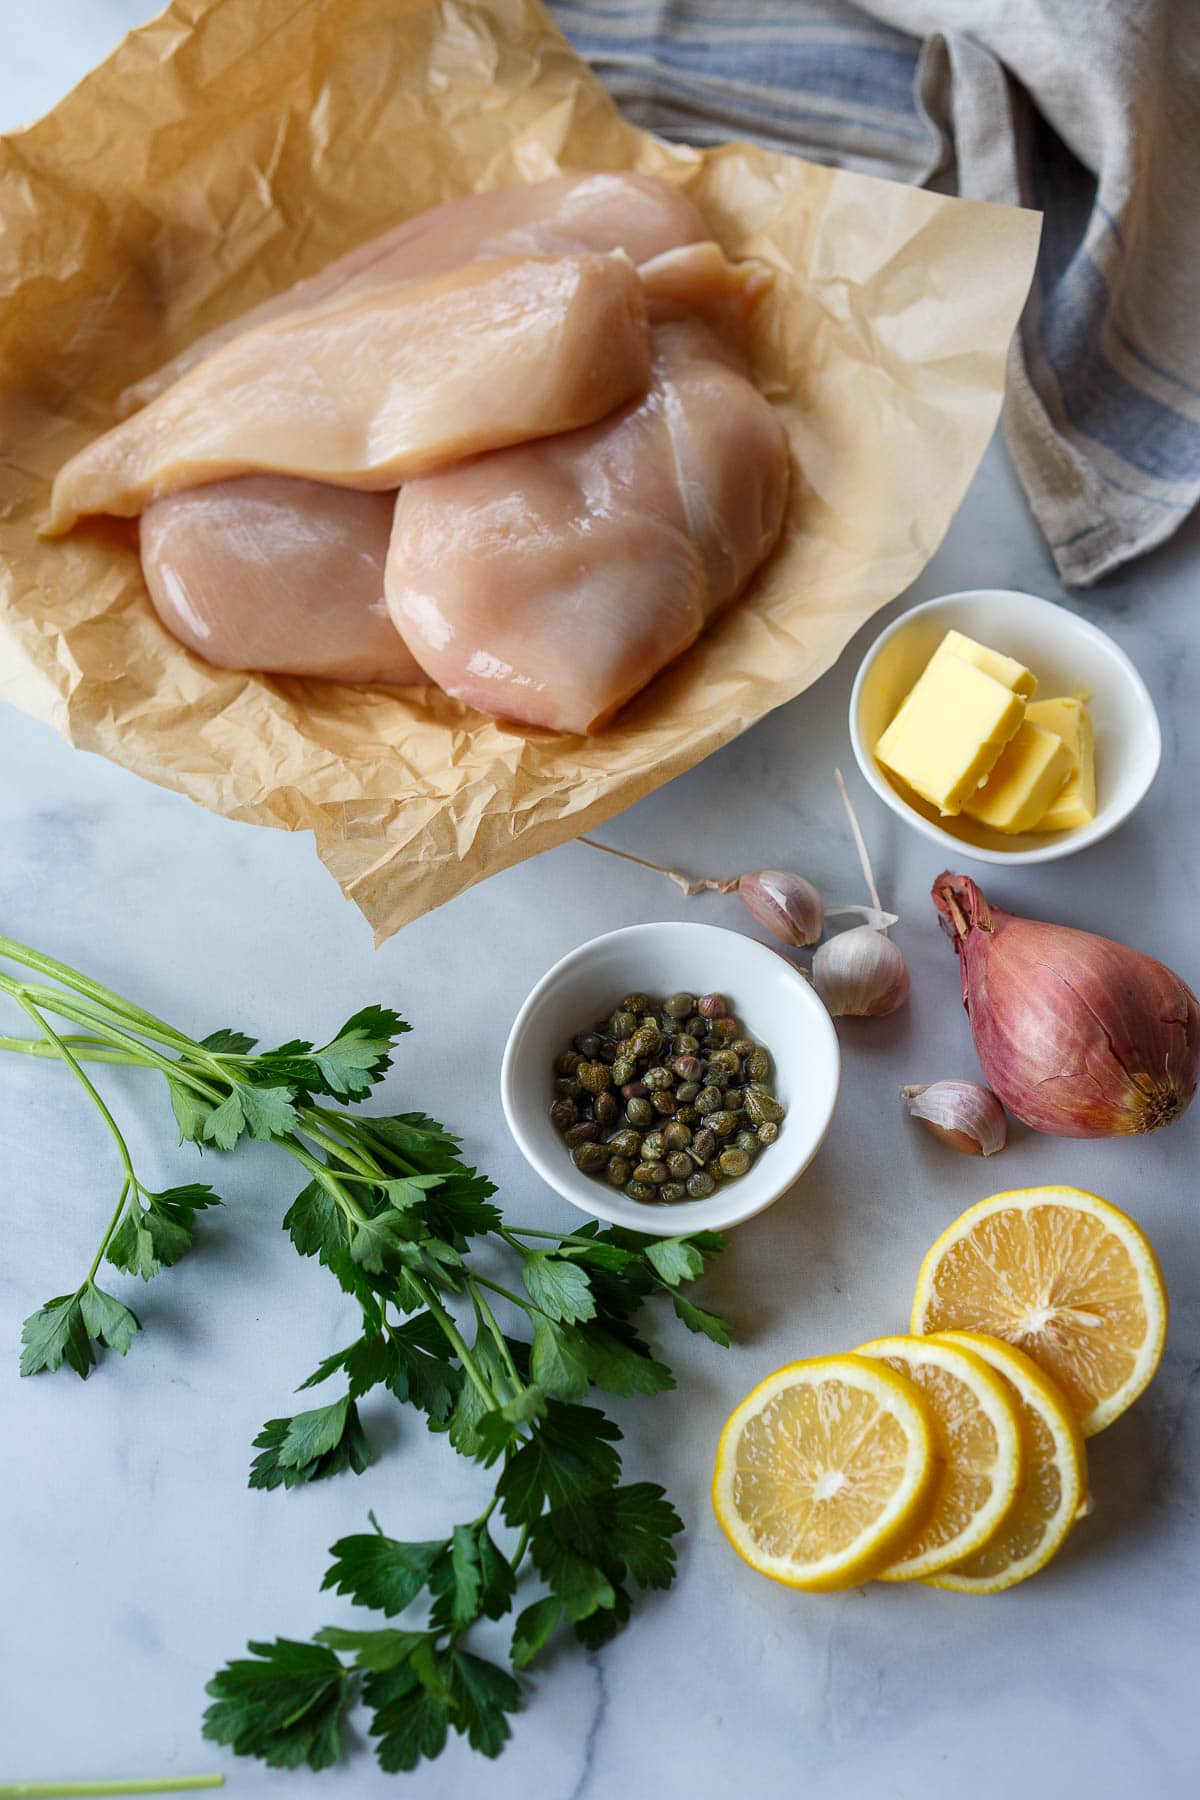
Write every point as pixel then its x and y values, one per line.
pixel 392 1210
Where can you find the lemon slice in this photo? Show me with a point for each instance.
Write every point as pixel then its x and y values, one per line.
pixel 977 1438
pixel 1065 1277
pixel 1054 1484
pixel 823 1471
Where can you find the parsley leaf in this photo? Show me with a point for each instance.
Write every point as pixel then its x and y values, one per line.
pixel 358 1056
pixel 675 1260
pixel 559 1364
pixel 560 1288
pixel 54 1335
pixel 154 1237
pixel 284 1707
pixel 410 1721
pixel 533 1628
pixel 385 1648
pixel 696 1319
pixel 568 1454
pixel 310 1447
pixel 228 1043
pixel 265 1112
pixel 381 1572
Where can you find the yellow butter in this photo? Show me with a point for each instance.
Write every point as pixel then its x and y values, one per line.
pixel 948 733
pixel 1076 801
pixel 1028 775
pixel 1004 669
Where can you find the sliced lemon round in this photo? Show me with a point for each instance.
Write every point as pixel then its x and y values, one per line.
pixel 823 1471
pixel 1064 1276
pixel 977 1438
pixel 1052 1487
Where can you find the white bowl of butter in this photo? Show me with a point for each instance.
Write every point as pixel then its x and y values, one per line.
pixel 989 701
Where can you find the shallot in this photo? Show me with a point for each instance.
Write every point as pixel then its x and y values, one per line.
pixel 1077 1036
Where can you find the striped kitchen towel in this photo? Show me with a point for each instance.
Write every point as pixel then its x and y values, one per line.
pixel 1088 110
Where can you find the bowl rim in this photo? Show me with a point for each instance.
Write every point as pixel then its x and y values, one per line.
pixel 615 1211
pixel 1083 837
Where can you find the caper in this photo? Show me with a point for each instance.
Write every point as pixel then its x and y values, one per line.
pixel 676 1136
pixel 722 1122
pixel 606 1109
pixel 567 1088
pixel 680 1006
pixel 679 1165
pixel 639 1112
pixel 712 1006
pixel 671 1192
pixel 624 1068
pixel 586 1132
pixel 588 1044
pixel 687 1068
pixel 723 1031
pixel 617 1170
pixel 568 1062
pixel 562 1115
pixel 747 1141
pixel 708 1099
pixel 758 1064
pixel 687 1115
pixel 654 1146
pixel 626 1143
pixel 593 1077
pixel 646 1041
pixel 639 1190
pixel 716 1077
pixel 733 1162
pixel 623 1024
pixel 654 1172
pixel 686 1092
pixel 684 1044
pixel 762 1108
pixel 589 1159
pixel 635 1003
pixel 664 1103
pixel 723 1060
pixel 743 1046
pixel 704 1145
pixel 700 1185
pixel 658 1077
pixel 767 1132
pixel 635 1090
pixel 697 1027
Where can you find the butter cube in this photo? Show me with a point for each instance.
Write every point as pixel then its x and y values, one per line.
pixel 1004 669
pixel 1076 802
pixel 1028 776
pixel 948 733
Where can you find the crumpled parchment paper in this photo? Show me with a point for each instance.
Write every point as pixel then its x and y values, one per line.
pixel 232 146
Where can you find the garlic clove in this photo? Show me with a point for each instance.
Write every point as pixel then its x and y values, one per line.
pixel 861 974
pixel 789 906
pixel 963 1114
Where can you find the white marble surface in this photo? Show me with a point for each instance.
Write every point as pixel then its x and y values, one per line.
pixel 134 1557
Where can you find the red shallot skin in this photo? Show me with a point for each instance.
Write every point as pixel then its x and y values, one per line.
pixel 1077 1036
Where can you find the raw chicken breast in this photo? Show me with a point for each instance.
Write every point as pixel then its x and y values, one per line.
pixel 548 583
pixel 384 385
pixel 270 573
pixel 571 214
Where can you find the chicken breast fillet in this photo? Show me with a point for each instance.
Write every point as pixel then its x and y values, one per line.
pixel 386 385
pixel 270 573
pixel 566 216
pixel 219 561
pixel 549 582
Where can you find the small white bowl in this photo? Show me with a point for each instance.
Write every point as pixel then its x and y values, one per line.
pixel 1066 654
pixel 774 1002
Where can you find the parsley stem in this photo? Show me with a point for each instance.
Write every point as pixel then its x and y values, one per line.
pixel 83 1014
pixel 111 1227
pixel 527 1306
pixel 69 1058
pixel 83 984
pixel 455 1338
pixel 355 1159
pixel 65 1790
pixel 88 1049
pixel 326 1176
pixel 485 1313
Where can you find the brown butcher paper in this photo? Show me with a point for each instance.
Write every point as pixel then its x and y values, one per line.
pixel 231 147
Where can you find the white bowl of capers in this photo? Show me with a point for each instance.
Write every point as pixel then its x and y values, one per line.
pixel 671 1077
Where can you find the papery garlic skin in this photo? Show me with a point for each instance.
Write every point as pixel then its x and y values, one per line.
pixel 860 974
pixel 1078 1036
pixel 963 1114
pixel 789 906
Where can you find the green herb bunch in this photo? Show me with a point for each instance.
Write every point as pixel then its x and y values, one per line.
pixel 391 1209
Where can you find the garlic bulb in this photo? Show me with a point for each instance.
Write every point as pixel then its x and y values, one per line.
pixel 860 973
pixel 963 1114
pixel 788 905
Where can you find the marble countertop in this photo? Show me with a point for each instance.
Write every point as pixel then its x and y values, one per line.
pixel 135 1559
